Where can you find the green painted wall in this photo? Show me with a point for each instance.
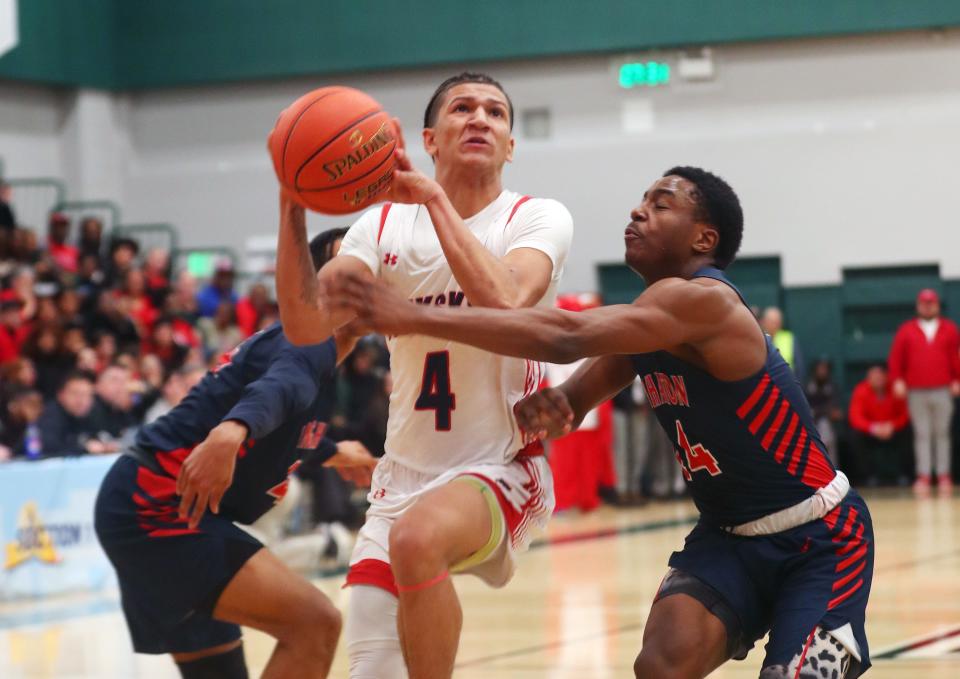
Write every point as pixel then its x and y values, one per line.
pixel 151 43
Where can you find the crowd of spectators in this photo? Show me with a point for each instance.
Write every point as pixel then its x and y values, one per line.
pixel 98 338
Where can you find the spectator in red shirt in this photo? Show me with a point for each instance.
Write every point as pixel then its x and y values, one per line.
pixel 13 331
pixel 925 368
pixel 253 308
pixel 878 421
pixel 64 256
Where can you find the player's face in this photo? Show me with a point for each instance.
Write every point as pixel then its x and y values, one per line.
pixel 472 128
pixel 662 228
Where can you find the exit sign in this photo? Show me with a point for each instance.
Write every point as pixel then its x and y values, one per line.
pixel 644 74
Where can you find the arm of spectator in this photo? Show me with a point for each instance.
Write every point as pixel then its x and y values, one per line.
pixel 954 360
pixel 896 362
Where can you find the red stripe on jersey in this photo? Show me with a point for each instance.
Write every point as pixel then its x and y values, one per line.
pixel 797 452
pixel 847 527
pixel 857 539
pixel 753 398
pixel 847 578
pixel 765 411
pixel 831 518
pixel 372 572
pixel 785 441
pixel 852 559
pixel 158 487
pixel 383 219
pixel 775 427
pixel 818 472
pixel 836 601
pixel 516 206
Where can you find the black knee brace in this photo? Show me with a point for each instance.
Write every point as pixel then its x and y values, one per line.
pixel 229 665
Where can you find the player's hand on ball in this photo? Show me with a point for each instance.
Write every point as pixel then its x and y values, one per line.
pixel 377 306
pixel 410 185
pixel 353 462
pixel 543 415
pixel 207 472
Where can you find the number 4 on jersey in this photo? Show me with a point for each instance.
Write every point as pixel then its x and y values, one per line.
pixel 697 457
pixel 435 393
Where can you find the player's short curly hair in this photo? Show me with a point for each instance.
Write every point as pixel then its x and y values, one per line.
pixel 321 247
pixel 719 207
pixel 433 106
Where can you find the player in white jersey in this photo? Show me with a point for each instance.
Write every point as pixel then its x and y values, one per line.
pixel 456 491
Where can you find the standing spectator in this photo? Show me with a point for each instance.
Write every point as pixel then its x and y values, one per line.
pixel 630 420
pixel 783 340
pixel 90 280
pixel 925 368
pixel 13 331
pixel 220 333
pixel 64 255
pixel 65 426
pixel 91 237
pixel 879 421
pixel 8 219
pixel 822 396
pixel 220 289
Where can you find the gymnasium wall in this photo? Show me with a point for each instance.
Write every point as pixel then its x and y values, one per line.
pixel 841 149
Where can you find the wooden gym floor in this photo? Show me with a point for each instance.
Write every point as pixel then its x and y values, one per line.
pixel 576 608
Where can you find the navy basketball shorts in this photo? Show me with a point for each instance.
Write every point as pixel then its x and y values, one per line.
pixel 787 584
pixel 170 576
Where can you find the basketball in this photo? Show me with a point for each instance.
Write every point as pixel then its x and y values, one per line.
pixel 332 149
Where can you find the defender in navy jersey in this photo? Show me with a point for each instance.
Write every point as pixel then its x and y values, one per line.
pixel 783 544
pixel 188 576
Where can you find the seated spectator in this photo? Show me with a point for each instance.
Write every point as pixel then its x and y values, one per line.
pixel 123 256
pixel 109 317
pixel 133 299
pixel 74 340
pixel 91 238
pixel 44 347
pixel 220 333
pixel 13 330
pixel 64 255
pixel 68 304
pixel 8 220
pixel 114 416
pixel 164 345
pixel 48 313
pixel 24 246
pixel 156 271
pixel 65 425
pixel 822 396
pixel 21 433
pixel 220 289
pixel 18 373
pixel 105 346
pixel 879 423
pixel 22 283
pixel 87 361
pixel 363 396
pixel 252 309
pixel 90 281
pixel 176 387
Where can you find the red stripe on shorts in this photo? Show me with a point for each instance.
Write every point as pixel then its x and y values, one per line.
pixel 372 572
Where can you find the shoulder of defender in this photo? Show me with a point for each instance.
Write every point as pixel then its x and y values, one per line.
pixel 701 296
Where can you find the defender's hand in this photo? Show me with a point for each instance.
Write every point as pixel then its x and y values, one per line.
pixel 377 306
pixel 545 414
pixel 207 472
pixel 353 462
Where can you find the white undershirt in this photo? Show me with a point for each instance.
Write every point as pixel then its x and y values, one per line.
pixel 929 327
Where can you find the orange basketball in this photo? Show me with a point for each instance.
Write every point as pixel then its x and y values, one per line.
pixel 333 149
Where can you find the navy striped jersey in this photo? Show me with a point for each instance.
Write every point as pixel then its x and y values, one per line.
pixel 749 447
pixel 280 391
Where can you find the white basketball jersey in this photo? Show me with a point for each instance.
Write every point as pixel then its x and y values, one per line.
pixel 452 404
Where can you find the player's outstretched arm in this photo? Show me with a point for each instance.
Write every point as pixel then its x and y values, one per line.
pixel 670 313
pixel 306 320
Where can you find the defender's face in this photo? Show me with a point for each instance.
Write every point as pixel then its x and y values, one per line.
pixel 472 128
pixel 661 228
